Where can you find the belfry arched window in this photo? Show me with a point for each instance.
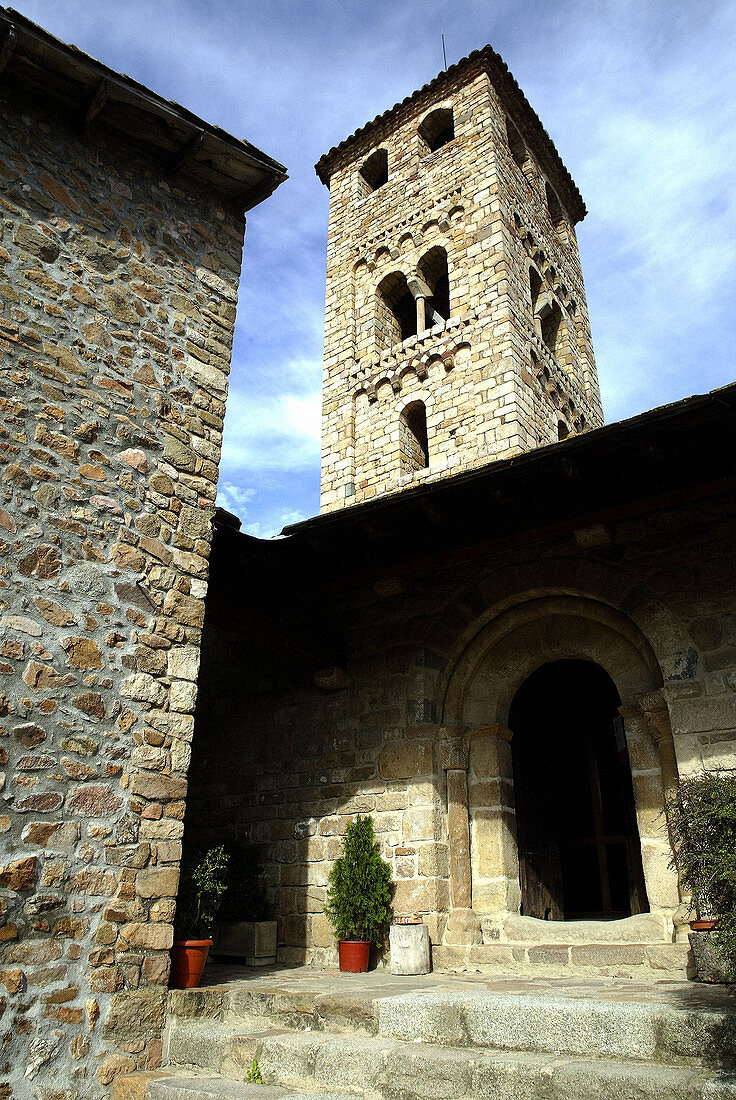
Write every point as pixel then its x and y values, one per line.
pixel 516 144
pixel 375 169
pixel 438 128
pixel 413 441
pixel 396 311
pixel 554 332
pixel 556 213
pixel 535 286
pixel 433 270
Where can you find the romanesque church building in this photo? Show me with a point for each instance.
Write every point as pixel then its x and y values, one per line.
pixel 508 632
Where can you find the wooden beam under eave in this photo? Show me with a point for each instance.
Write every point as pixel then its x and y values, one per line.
pixel 96 104
pixel 6 50
pixel 187 151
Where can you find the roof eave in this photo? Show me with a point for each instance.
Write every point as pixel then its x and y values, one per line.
pixel 94 95
pixel 516 104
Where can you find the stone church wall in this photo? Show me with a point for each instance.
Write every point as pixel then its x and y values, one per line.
pixel 118 289
pixel 303 760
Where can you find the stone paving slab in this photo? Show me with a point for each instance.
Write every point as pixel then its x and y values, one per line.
pixel 220 979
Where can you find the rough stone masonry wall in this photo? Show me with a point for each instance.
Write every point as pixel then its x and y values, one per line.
pixel 117 303
pixel 491 385
pixel 302 761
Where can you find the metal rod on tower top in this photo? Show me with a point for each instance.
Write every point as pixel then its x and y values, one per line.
pixel 444 55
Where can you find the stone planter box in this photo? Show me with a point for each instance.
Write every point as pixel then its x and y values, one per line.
pixel 710 964
pixel 252 941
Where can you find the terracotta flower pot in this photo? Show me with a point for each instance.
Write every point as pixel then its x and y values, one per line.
pixel 703 924
pixel 353 955
pixel 187 963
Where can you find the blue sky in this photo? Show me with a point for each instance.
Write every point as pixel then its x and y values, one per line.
pixel 638 97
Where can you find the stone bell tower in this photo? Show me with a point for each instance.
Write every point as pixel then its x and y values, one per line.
pixel 456 327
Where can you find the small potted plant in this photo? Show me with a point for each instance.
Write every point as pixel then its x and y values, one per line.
pixel 244 929
pixel 202 884
pixel 359 896
pixel 701 815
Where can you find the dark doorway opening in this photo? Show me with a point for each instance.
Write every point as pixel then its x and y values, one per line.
pixel 579 849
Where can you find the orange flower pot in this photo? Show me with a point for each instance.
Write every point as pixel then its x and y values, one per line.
pixel 353 956
pixel 187 963
pixel 703 924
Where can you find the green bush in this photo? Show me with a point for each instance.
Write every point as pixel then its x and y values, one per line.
pixel 701 814
pixel 359 895
pixel 202 883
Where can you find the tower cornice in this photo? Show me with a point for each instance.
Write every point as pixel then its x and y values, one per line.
pixel 515 104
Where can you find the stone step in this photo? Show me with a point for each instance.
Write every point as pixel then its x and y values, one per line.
pixel 646 1030
pixel 170 1084
pixel 673 1029
pixel 260 1007
pixel 560 957
pixel 394 1070
pixel 390 1068
pixel 220 1088
pixel 218 1047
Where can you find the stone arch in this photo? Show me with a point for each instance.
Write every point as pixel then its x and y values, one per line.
pixel 395 311
pixel 374 170
pixel 437 128
pixel 413 440
pixel 517 642
pixel 527 635
pixel 516 144
pixel 508 587
pixel 434 271
pixel 501 650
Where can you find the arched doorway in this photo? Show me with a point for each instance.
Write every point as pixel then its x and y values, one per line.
pixel 578 841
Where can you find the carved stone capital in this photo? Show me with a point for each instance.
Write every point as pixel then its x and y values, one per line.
pixel 454 753
pixel 636 723
pixel 654 707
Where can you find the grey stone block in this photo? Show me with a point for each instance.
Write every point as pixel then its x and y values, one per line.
pixel 432 1018
pixel 720 1087
pixel 561 1025
pixel 352 1061
pixel 198 1044
pixel 289 1058
pixel 346 1012
pixel 619 1081
pixel 426 1073
pixel 711 963
pixel 322 1096
pixel 513 1077
pixel 699 1035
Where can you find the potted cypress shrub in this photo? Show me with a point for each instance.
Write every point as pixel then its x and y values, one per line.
pixel 701 815
pixel 201 887
pixel 244 929
pixel 359 896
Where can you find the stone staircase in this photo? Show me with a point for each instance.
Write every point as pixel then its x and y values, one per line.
pixel 439 1038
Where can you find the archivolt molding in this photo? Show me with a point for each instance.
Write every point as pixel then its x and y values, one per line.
pixel 483 681
pixel 507 587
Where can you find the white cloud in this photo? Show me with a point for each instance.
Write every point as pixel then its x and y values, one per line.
pixel 270 528
pixel 233 497
pixel 273 432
